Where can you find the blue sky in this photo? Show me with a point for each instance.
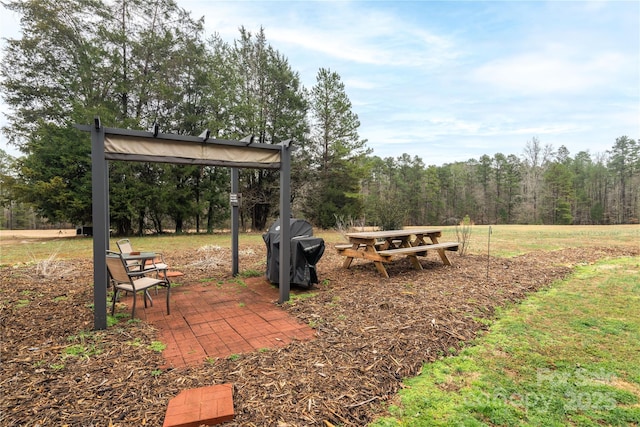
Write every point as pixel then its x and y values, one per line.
pixel 449 81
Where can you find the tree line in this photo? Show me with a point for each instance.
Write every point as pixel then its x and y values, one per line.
pixel 541 186
pixel 137 63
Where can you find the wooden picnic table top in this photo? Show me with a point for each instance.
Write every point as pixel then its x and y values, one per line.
pixel 385 234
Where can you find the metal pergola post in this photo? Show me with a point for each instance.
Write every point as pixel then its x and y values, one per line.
pixel 100 213
pixel 235 222
pixel 285 230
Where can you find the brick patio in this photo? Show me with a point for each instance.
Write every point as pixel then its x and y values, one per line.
pixel 214 320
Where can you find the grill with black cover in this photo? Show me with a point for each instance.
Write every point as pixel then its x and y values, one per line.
pixel 306 251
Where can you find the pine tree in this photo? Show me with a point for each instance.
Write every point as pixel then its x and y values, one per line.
pixel 337 151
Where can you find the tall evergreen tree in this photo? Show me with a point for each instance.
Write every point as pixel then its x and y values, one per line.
pixel 512 185
pixel 599 189
pixel 580 168
pixel 558 194
pixel 7 189
pixel 81 58
pixel 433 203
pixel 624 163
pixel 337 150
pixel 484 170
pixel 270 106
pixel 410 186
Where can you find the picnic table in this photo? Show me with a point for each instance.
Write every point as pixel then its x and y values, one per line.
pixel 381 246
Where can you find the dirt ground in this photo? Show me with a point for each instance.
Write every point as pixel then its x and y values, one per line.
pixel 370 333
pixel 15 236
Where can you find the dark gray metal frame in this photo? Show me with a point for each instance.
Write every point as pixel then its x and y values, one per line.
pixel 100 196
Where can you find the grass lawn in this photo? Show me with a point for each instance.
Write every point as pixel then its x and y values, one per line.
pixel 567 356
pixel 513 240
pixel 498 240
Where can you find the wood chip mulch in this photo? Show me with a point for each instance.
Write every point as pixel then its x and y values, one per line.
pixel 371 333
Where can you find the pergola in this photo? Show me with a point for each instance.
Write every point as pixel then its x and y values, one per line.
pixel 140 146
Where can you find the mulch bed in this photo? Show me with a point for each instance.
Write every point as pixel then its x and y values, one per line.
pixel 370 333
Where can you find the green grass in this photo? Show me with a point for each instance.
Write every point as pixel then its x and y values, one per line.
pixel 505 240
pixel 246 274
pixel 22 303
pixel 293 298
pixel 79 350
pixel 157 346
pixel 566 356
pixel 84 345
pixel 34 250
pixel 513 240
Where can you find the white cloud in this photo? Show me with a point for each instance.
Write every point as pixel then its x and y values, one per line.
pixel 554 70
pixel 360 83
pixel 448 81
pixel 348 31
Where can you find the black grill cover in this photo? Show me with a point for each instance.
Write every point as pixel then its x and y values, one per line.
pixel 306 251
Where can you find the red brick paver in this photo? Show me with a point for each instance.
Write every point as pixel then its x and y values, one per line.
pixel 213 320
pixel 197 406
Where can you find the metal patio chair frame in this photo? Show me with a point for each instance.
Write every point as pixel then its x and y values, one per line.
pixel 122 279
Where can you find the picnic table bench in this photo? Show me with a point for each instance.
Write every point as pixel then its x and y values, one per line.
pixel 381 246
pixel 349 245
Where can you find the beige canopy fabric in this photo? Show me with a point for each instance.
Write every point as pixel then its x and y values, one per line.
pixel 136 148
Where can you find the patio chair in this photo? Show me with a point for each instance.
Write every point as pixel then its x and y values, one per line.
pixel 157 264
pixel 124 280
pixel 125 247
